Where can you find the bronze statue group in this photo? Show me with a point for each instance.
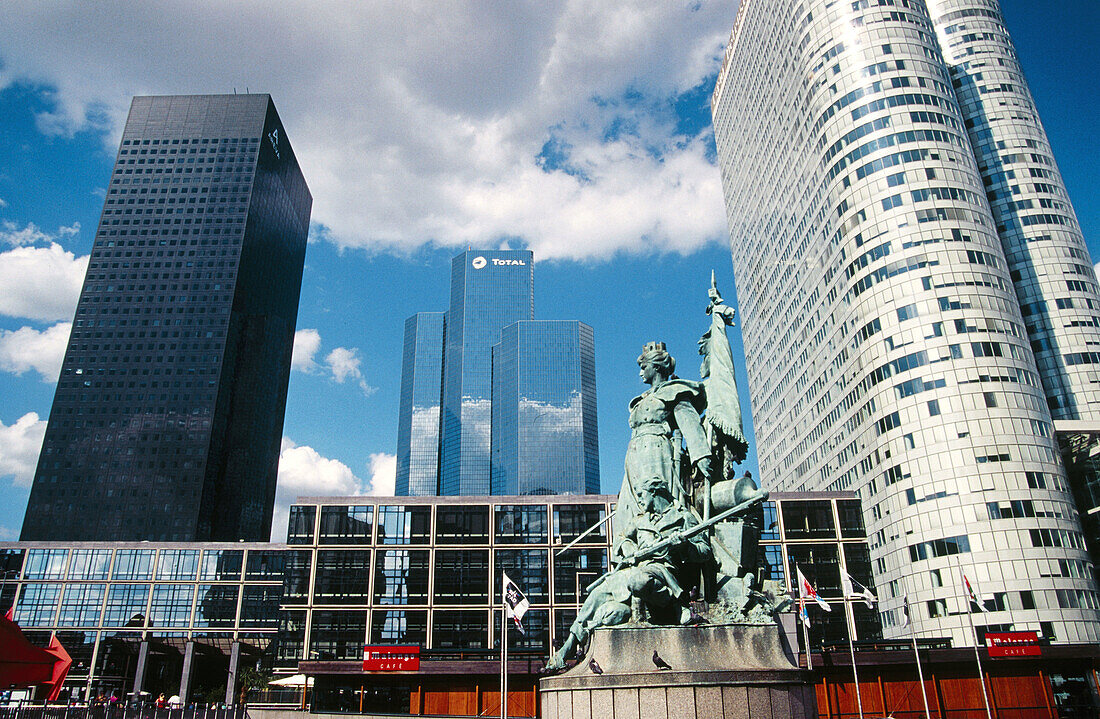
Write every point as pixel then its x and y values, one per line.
pixel 686 530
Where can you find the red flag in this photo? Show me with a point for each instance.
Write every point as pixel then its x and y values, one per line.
pixel 10 614
pixel 60 666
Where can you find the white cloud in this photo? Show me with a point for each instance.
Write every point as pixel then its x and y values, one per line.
pixel 20 444
pixel 40 283
pixel 7 534
pixel 341 363
pixel 28 349
pixel 383 474
pixel 30 234
pixel 303 472
pixel 306 344
pixel 2 203
pixel 418 127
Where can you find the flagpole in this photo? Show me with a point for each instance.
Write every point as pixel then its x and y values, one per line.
pixel 916 654
pixel 804 613
pixel 974 633
pixel 852 652
pixel 503 655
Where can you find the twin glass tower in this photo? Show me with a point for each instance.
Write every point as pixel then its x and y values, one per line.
pixel 492 400
pixel 918 304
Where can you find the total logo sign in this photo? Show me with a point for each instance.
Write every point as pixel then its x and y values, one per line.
pixel 479 263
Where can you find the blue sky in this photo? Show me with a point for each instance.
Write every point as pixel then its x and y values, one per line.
pixel 583 134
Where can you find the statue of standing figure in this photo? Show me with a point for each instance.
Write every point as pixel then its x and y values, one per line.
pixel 685 528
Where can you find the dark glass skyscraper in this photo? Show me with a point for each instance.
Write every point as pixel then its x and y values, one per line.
pixel 168 413
pixel 421 392
pixel 491 400
pixel 544 410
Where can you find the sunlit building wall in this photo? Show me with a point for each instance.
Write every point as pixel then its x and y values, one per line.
pixel 887 349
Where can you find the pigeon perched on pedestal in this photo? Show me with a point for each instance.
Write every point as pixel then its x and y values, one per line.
pixel 596 668
pixel 660 663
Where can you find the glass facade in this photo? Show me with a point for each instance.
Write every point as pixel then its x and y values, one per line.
pixel 544 410
pixel 493 402
pixel 166 426
pixel 915 284
pixel 489 290
pixel 402 584
pixel 418 413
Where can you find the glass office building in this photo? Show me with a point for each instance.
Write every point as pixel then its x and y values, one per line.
pixel 916 299
pixel 489 290
pixel 168 413
pixel 355 571
pixel 544 409
pixel 421 394
pixel 493 380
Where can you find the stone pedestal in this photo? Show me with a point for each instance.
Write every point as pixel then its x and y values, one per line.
pixel 730 671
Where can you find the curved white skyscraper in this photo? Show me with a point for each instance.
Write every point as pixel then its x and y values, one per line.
pixel 881 294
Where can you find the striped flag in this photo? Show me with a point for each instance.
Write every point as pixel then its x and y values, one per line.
pixel 973 595
pixel 807 591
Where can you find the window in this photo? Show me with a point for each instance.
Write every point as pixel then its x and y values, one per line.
pixel 126 605
pixel 346 524
pixel 462 525
pixel 808 519
pixel 90 564
pixel 178 564
pixel 82 605
pixel 221 565
pixel 171 605
pixel 404 525
pixel 301 525
pixel 401 576
pixel 400 626
pixel 851 518
pixel 574 570
pixel 571 520
pixel 338 635
pixel 37 604
pixel 460 630
pixel 342 577
pixel 133 564
pixel 520 524
pixel 528 568
pixel 462 576
pixel 216 605
pixel 45 564
pixel 260 606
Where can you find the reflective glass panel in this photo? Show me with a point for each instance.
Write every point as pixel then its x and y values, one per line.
pixel 178 564
pixel 574 570
pixel 221 565
pixel 300 528
pixel 216 605
pixel 126 605
pixel 133 564
pixel 82 605
pixel 171 605
pixel 90 564
pixel 521 524
pixel 291 639
pixel 462 576
pixel 401 576
pixel 260 606
pixel 338 635
pixel 851 518
pixel 536 632
pixel 263 564
pixel 459 630
pixel 400 626
pixel 342 576
pixel 45 564
pixel 346 524
pixel 404 525
pixel 462 525
pixel 37 605
pixel 820 564
pixel 296 577
pixel 528 568
pixel 572 520
pixel 808 519
pixel 770 529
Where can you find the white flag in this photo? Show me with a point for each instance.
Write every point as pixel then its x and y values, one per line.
pixel 855 590
pixel 972 595
pixel 515 604
pixel 905 619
